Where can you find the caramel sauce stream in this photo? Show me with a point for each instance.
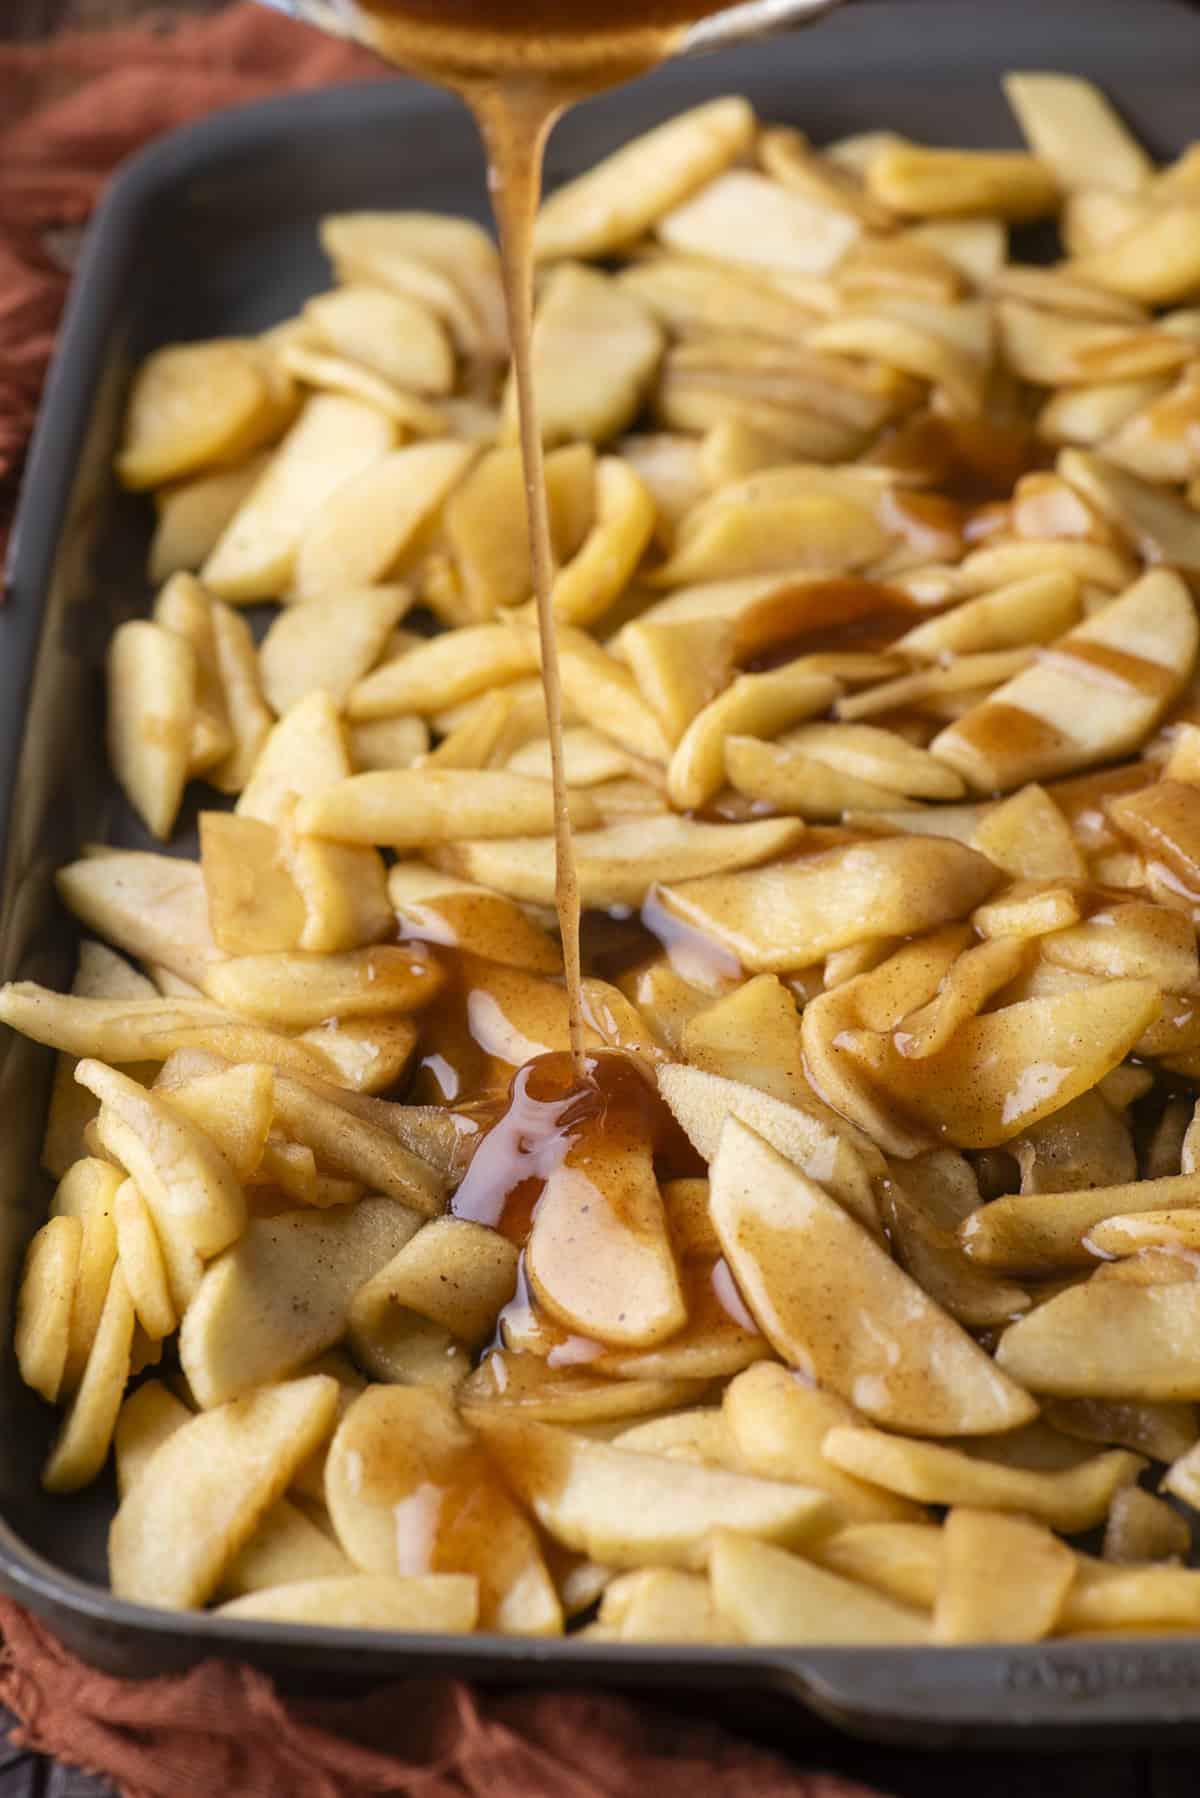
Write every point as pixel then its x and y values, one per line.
pixel 518 65
pixel 514 120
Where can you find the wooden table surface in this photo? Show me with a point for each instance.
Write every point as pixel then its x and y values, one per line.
pixel 1136 1772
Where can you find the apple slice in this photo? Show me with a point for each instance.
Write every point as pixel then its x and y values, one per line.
pixel 1095 695
pixel 191 1188
pixel 776 1424
pixel 827 1151
pixel 791 915
pixel 987 1084
pixel 441 1603
pixel 152 906
pixel 595 349
pixel 599 1258
pixel 633 1510
pixel 619 863
pixel 283 1293
pixel 773 1597
pixel 205 1488
pixel 1109 1339
pixel 804 1267
pixel 411 1493
pixel 973 1605
pixel 618 199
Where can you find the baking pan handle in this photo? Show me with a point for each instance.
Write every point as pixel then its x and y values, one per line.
pixel 1084 1689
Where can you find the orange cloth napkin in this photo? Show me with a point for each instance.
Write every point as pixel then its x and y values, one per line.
pixel 69 113
pixel 224 1729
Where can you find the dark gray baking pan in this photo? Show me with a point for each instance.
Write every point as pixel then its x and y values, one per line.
pixel 213 231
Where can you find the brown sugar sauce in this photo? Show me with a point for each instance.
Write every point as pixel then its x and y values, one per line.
pixel 845 614
pixel 552 1121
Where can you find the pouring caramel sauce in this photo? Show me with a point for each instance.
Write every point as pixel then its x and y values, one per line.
pixel 519 64
pixel 587 1127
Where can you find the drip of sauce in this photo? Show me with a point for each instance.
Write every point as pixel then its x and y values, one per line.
pixel 974 461
pixel 843 614
pixel 549 1120
pixel 1110 667
pixel 524 1146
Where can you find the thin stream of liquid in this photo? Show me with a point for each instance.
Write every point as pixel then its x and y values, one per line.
pixel 519 64
pixel 515 119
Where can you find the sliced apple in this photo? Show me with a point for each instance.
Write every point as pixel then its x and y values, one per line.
pixel 789 781
pixel 454 1273
pixel 744 218
pixel 982 1089
pixel 141 1260
pixel 405 808
pixel 154 907
pixel 192 405
pixel 333 438
pixel 148 1416
pixel 757 705
pixel 776 1424
pixel 328 641
pixel 972 1605
pixel 772 1597
pixel 1134 941
pixel 1072 127
pixel 631 1510
pixel 437 908
pixel 804 1265
pixel 396 336
pixel 619 863
pixel 604 564
pixel 1028 837
pixel 411 1493
pixel 363 1143
pixel 1109 1339
pixel 791 914
pixel 442 1604
pixel 42 1328
pixel 81 1447
pixel 151 718
pixel 1070 1499
pixel 1095 695
pixel 448 264
pixel 207 1485
pixel 283 1294
pixel 523 1385
pixel 233 1106
pixel 147 1030
pixel 663 1604
pixel 822 1147
pixel 1035 610
pixel 900 1559
pixel 752 1034
pixel 599 1258
pixel 296 991
pixel 190 1186
pixel 88 1192
pixel 621 197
